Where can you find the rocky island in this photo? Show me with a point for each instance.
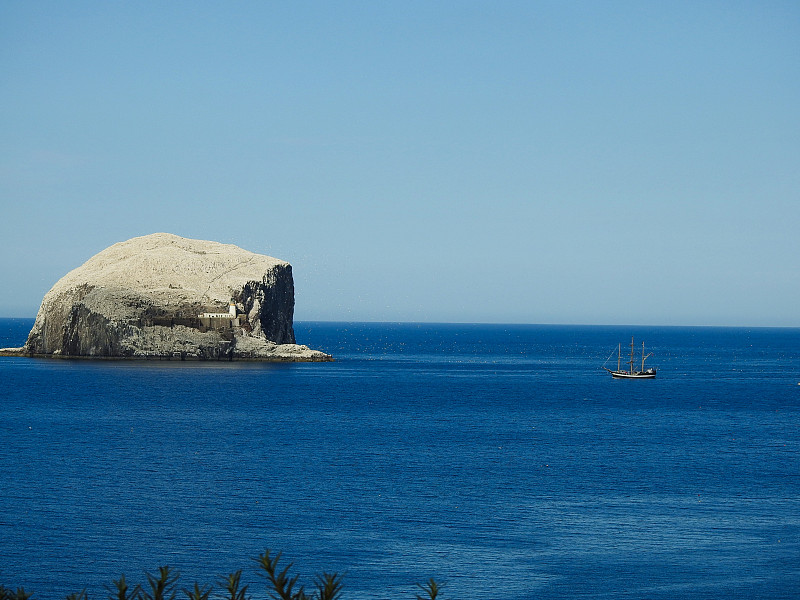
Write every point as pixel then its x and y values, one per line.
pixel 162 296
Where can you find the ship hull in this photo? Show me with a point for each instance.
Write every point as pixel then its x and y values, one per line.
pixel 634 375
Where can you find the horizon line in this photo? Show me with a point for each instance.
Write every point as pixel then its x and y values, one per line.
pixel 507 323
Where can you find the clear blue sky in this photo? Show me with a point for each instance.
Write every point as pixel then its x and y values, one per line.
pixel 528 162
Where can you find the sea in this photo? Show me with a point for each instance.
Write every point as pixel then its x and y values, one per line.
pixel 499 460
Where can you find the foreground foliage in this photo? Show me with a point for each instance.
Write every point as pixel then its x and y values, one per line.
pixel 282 586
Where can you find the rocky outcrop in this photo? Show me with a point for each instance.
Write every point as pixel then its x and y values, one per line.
pixel 144 298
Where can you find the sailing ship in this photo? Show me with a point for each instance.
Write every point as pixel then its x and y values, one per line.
pixel 631 373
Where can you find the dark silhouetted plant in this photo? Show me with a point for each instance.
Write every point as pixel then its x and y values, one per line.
pixel 198 593
pixel 161 587
pixel 19 594
pixel 329 586
pixel 282 586
pixel 231 584
pixel 431 588
pixel 120 591
pixel 281 582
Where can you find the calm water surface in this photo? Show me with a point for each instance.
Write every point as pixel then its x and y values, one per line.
pixel 499 459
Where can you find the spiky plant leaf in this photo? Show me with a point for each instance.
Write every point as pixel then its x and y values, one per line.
pixel 231 585
pixel 121 590
pixel 281 582
pixel 329 586
pixel 21 594
pixel 163 586
pixel 198 593
pixel 431 589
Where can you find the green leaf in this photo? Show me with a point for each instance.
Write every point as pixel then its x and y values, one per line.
pixel 431 588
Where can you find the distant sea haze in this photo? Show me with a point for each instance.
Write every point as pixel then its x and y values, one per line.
pixel 499 459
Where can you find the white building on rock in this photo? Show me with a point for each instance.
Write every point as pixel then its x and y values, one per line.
pixel 221 320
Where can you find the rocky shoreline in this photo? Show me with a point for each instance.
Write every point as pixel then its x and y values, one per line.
pixel 278 357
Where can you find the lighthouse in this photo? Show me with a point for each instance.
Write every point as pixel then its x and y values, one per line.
pixel 232 309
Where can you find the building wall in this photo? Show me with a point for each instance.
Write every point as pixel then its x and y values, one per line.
pixel 218 321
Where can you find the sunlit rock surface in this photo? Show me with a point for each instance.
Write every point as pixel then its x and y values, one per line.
pixel 144 298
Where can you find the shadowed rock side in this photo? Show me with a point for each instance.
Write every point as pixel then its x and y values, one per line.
pixel 163 296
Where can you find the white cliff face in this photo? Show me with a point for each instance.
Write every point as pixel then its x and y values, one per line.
pixel 143 297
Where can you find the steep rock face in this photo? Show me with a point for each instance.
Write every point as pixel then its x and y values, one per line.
pixel 144 298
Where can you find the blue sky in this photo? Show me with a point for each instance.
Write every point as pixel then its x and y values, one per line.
pixel 526 162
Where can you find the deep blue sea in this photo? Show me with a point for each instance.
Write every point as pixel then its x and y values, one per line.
pixel 499 459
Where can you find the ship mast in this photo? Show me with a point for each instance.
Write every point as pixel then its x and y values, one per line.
pixel 630 362
pixel 643 357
